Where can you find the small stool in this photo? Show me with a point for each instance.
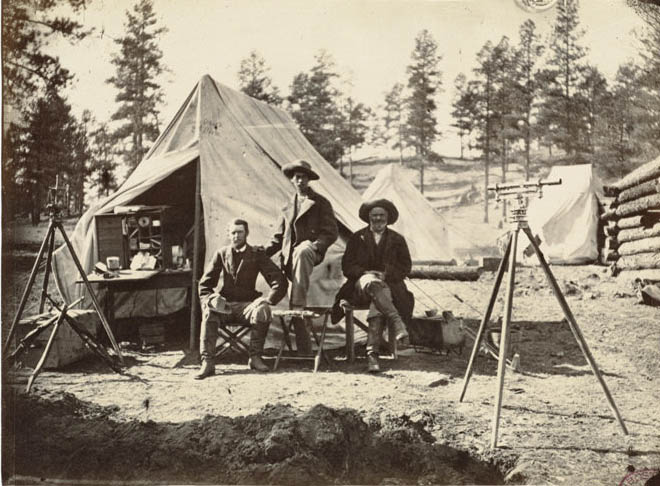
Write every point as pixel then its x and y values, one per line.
pixel 351 321
pixel 307 315
pixel 232 334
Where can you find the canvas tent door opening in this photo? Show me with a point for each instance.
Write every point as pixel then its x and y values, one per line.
pixel 240 145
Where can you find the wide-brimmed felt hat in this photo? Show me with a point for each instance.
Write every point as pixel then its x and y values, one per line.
pixel 366 207
pixel 300 166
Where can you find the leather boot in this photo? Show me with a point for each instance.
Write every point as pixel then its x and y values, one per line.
pixel 303 338
pixel 385 305
pixel 256 363
pixel 372 363
pixel 257 341
pixel 374 334
pixel 207 369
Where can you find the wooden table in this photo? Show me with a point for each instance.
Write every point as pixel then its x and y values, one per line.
pixel 134 280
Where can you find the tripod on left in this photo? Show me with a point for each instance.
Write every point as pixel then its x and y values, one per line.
pixel 55 196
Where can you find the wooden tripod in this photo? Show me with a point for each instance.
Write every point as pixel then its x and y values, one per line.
pixel 510 259
pixel 49 243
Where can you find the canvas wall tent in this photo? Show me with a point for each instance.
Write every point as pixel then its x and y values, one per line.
pixel 566 217
pixel 238 144
pixel 424 229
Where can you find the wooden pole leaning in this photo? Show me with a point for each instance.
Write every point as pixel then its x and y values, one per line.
pixel 484 321
pixel 504 337
pixel 92 295
pixel 194 296
pixel 575 329
pixel 28 287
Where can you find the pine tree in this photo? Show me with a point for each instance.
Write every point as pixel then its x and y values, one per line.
pixel 254 79
pixel 103 166
pixel 50 145
pixel 393 120
pixel 560 111
pixel 424 82
pixel 138 66
pixel 314 106
pixel 592 95
pixel 530 50
pixel 354 129
pixel 486 74
pixel 623 112
pixel 650 74
pixel 464 109
pixel 27 29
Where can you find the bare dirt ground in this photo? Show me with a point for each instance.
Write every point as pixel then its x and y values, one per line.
pixel 341 425
pixel 155 424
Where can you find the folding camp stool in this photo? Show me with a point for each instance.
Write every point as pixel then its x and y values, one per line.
pixel 231 333
pixel 307 315
pixel 352 321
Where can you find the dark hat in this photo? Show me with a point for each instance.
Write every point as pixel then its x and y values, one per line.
pixel 366 207
pixel 300 166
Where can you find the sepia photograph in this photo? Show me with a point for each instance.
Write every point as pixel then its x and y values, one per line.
pixel 330 242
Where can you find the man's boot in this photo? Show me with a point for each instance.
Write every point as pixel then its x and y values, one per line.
pixel 385 305
pixel 207 369
pixel 303 339
pixel 375 331
pixel 256 348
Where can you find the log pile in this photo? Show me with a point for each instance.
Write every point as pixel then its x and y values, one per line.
pixel 631 222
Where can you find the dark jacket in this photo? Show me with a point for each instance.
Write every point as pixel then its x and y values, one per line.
pixel 238 282
pixel 315 222
pixel 360 256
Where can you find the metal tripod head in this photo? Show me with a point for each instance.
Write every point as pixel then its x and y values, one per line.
pixel 519 192
pixel 57 200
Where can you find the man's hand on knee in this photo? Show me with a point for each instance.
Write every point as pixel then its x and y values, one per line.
pixel 254 306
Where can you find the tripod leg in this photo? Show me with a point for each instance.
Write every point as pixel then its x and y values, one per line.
pixel 504 339
pixel 49 258
pixel 575 329
pixel 28 287
pixel 92 295
pixel 49 345
pixel 485 319
pixel 29 337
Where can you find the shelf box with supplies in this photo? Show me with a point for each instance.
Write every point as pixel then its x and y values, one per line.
pixel 142 232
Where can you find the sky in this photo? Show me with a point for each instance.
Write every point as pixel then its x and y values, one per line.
pixel 370 40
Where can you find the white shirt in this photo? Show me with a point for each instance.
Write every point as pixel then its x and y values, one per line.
pixel 378 236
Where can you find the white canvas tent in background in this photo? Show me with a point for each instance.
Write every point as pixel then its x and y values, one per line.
pixel 236 146
pixel 424 229
pixel 566 217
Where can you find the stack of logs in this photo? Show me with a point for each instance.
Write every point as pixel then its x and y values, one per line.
pixel 632 222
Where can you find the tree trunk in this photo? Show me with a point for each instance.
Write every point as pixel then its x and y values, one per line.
pixel 644 189
pixel 638 233
pixel 421 174
pixel 646 172
pixel 440 272
pixel 640 260
pixel 645 220
pixel 638 206
pixel 640 246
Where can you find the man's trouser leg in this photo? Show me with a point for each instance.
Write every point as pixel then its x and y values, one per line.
pixel 259 319
pixel 207 340
pixel 208 336
pixel 303 259
pixel 381 298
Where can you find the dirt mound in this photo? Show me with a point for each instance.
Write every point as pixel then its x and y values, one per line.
pixel 62 437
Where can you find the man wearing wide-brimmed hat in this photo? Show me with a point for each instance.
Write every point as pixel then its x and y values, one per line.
pixel 307 227
pixel 376 262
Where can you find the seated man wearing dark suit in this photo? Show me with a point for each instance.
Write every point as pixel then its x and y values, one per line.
pixel 239 265
pixel 376 262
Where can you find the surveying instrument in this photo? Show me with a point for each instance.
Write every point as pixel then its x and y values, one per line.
pixel 56 200
pixel 518 193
